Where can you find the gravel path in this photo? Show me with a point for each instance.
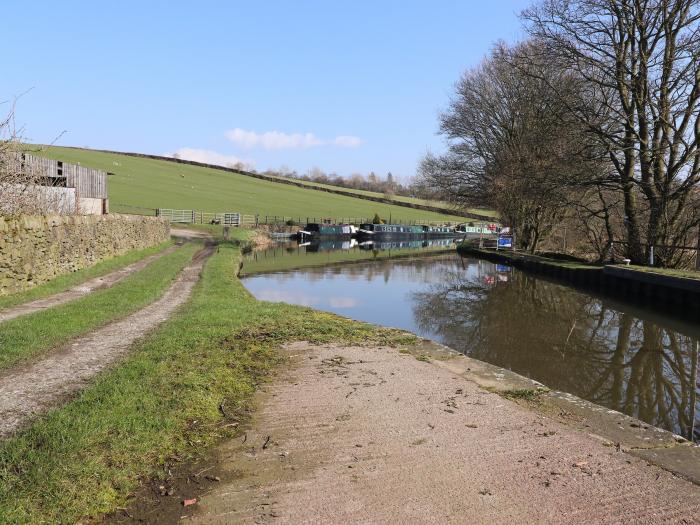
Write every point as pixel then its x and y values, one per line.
pixel 35 387
pixel 370 435
pixel 82 289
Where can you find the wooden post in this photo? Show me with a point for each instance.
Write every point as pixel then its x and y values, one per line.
pixel 697 252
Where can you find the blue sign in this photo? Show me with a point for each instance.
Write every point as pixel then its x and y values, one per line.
pixel 502 268
pixel 505 242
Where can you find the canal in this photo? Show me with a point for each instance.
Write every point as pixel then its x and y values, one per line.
pixel 612 353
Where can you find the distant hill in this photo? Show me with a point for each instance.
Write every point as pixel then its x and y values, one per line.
pixel 141 183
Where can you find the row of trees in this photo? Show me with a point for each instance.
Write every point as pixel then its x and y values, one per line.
pixel 593 123
pixel 358 181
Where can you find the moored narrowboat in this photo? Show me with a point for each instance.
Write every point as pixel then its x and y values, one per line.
pixel 315 231
pixel 389 231
pixel 438 232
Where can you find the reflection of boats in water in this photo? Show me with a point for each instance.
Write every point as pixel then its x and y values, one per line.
pixel 330 245
pixel 406 244
pixel 391 245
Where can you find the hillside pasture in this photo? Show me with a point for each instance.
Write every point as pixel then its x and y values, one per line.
pixel 139 185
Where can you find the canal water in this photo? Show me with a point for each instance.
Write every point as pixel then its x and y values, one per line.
pixel 606 351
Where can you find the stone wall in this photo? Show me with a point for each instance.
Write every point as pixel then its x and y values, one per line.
pixel 35 249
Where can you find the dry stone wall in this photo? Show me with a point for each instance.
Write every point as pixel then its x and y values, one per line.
pixel 36 249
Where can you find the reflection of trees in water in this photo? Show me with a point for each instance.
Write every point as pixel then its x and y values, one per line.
pixel 569 341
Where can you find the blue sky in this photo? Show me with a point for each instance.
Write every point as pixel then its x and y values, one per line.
pixel 346 87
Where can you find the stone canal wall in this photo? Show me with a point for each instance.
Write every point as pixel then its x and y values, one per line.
pixel 35 249
pixel 657 291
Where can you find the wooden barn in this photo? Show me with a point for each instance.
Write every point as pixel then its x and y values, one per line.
pixel 85 188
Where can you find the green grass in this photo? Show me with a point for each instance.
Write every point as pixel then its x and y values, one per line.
pixel 398 198
pixel 32 334
pixel 669 272
pixel 64 282
pixel 140 184
pixel 527 394
pixel 162 402
pixel 277 259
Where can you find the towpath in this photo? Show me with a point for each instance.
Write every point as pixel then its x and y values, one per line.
pixel 35 387
pixel 371 435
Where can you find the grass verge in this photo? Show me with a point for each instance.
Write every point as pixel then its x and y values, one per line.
pixel 35 333
pixel 64 282
pixel 668 272
pixel 163 403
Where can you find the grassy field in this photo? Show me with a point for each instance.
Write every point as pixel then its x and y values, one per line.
pixel 399 198
pixel 162 405
pixel 146 183
pixel 32 334
pixel 64 282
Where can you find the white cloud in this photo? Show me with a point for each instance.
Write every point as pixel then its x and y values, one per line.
pixel 209 157
pixel 347 141
pixel 273 140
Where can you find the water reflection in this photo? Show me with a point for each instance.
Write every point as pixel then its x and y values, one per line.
pixel 630 360
pixel 333 251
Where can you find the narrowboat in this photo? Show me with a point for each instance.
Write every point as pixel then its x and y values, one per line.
pixel 389 231
pixel 439 232
pixel 316 231
pixel 475 232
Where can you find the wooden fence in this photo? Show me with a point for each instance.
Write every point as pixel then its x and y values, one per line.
pixel 241 220
pixel 201 217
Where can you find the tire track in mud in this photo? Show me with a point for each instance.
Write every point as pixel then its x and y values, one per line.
pixel 35 387
pixel 82 289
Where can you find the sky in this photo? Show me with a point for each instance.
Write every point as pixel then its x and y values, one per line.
pixel 343 86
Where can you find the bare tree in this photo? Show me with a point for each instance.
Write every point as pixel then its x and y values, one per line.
pixel 639 64
pixel 511 144
pixel 24 186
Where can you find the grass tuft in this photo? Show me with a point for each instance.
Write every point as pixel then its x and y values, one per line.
pixel 527 394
